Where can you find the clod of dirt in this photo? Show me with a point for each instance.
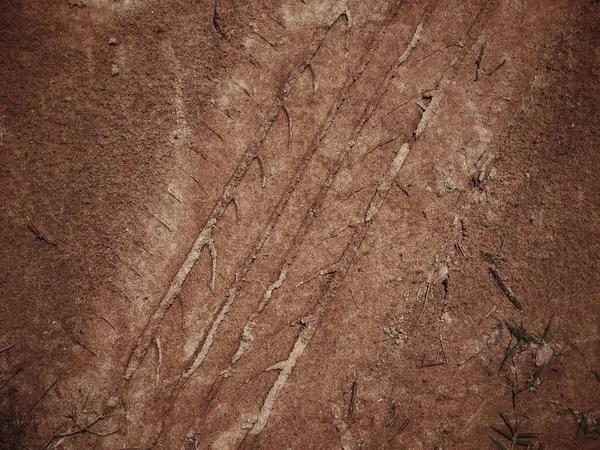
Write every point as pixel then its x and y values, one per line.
pixel 495 335
pixel 112 401
pixel 114 70
pixel 543 355
pixel 112 42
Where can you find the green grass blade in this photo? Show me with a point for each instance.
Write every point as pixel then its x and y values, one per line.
pixel 502 433
pixel 546 335
pixel 498 444
pixel 508 424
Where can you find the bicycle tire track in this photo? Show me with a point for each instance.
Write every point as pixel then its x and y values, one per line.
pixel 330 291
pixel 293 251
pixel 241 275
pixel 145 339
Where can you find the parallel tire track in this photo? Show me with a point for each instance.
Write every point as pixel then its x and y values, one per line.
pixel 204 237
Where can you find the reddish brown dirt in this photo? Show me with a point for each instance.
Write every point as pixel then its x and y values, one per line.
pixel 231 254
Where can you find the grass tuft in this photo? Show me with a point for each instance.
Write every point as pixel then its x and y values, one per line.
pixel 512 434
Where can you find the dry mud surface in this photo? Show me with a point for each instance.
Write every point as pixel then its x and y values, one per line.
pixel 271 225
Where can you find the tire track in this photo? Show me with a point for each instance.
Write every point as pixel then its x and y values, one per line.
pixel 286 367
pixel 330 291
pixel 335 282
pixel 284 199
pixel 204 237
pixel 292 253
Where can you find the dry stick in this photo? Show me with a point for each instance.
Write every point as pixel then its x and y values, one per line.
pixel 459 246
pixel 40 399
pixel 495 69
pixel 41 236
pixel 299 347
pixel 8 347
pixel 446 299
pixel 313 78
pixel 478 63
pixel 160 360
pixel 507 291
pixel 85 347
pixel 400 430
pixel 427 291
pixel 353 389
pixel 261 167
pixel 212 131
pixel 381 144
pixel 288 365
pixel 135 32
pixel 217 19
pixel 80 429
pixel 11 376
pixel 439 361
pixel 289 123
pixel 10 4
pixel 354 298
pixel 236 206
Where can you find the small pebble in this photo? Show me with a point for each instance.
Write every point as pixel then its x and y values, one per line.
pixel 114 70
pixel 112 41
pixel 543 355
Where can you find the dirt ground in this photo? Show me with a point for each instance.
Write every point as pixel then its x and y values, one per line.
pixel 320 224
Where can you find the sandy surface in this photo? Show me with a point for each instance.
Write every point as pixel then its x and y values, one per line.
pixel 272 225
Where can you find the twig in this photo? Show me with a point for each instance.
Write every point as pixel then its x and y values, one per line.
pixel 507 291
pixel 427 291
pixel 160 360
pixel 136 32
pixel 8 347
pixel 443 350
pixel 354 298
pixel 213 131
pixel 495 69
pixel 572 99
pixel 289 124
pixel 217 19
pixel 401 429
pixel 313 78
pixel 461 249
pixel 262 170
pixel 213 256
pixel 41 236
pixel 402 188
pixel 41 398
pixel 353 389
pixel 10 4
pixel 83 429
pixel 11 376
pixel 440 361
pixel 478 62
pixel 83 346
pixel 381 144
pixel 177 199
pixel 446 299
pixel 236 206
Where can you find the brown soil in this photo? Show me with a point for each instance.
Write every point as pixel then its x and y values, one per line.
pixel 272 225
